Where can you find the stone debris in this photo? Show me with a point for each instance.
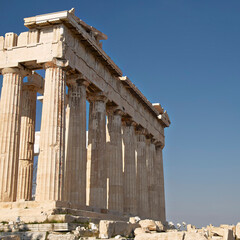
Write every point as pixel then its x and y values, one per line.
pixel 150 229
pixel 106 229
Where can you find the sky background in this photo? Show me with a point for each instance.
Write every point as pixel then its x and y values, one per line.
pixel 184 54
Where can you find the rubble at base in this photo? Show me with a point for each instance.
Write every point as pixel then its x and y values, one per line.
pixel 135 228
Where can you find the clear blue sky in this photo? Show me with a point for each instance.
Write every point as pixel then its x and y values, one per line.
pixel 185 55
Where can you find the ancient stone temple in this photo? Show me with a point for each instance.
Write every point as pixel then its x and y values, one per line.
pixel 115 171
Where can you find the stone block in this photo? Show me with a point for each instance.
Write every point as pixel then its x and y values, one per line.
pixel 193 236
pixel 85 233
pixel 10 237
pixel 230 227
pixel 216 231
pixel 107 229
pixel 33 236
pixel 8 227
pixel 226 226
pixel 67 236
pixel 10 40
pixel 160 226
pixel 33 37
pixel 228 234
pixel 43 227
pixel 61 227
pixel 216 238
pixel 123 229
pixel 62 218
pixel 140 230
pixel 149 224
pixel 1 43
pixel 22 39
pixel 161 236
pixel 134 219
pixel 238 231
pixel 191 228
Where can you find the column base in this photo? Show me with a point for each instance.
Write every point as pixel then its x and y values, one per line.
pixel 55 211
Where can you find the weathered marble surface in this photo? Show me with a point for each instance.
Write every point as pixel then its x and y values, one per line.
pixel 120 169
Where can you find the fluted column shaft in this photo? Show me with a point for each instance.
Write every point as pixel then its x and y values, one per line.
pixel 129 175
pixel 10 120
pixel 152 191
pixel 76 155
pixel 52 142
pixel 142 185
pixel 160 184
pixel 114 160
pixel 27 134
pixel 97 179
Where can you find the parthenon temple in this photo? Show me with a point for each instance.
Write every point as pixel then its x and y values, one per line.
pixel 108 163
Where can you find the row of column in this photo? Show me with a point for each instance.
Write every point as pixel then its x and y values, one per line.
pixel 121 169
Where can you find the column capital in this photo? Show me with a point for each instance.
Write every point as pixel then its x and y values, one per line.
pixel 153 140
pixel 22 71
pixel 149 138
pixel 35 82
pixel 56 63
pixel 158 144
pixel 115 110
pixel 140 130
pixel 92 97
pixel 77 80
pixel 126 121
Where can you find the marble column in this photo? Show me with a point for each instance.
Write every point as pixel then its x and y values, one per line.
pixel 160 183
pixel 76 153
pixel 52 142
pixel 142 184
pixel 10 121
pixel 27 134
pixel 152 191
pixel 96 165
pixel 129 166
pixel 114 159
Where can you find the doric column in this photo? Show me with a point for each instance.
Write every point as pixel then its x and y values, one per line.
pixel 114 159
pixel 129 173
pixel 52 141
pixel 27 134
pixel 10 120
pixel 96 173
pixel 142 185
pixel 76 155
pixel 160 183
pixel 152 191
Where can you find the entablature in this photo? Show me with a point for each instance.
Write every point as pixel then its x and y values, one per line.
pixel 87 34
pixel 63 37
